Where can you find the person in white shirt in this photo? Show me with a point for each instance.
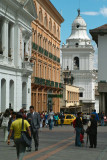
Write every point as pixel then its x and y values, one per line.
pixel 50 119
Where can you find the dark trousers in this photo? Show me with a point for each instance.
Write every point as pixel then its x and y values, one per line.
pixel 56 123
pixel 20 149
pixel 35 136
pixel 93 140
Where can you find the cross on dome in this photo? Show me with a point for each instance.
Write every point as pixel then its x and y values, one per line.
pixel 78 12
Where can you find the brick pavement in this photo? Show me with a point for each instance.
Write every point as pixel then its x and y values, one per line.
pixel 59 145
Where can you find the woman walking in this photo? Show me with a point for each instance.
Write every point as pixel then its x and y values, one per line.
pixel 5 123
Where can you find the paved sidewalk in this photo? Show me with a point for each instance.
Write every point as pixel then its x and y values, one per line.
pixel 58 144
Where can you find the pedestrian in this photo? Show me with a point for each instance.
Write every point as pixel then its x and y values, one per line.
pixel 61 119
pixel 5 121
pixel 34 119
pixel 56 118
pixel 16 126
pixel 102 118
pixel 50 119
pixel 12 119
pixel 78 128
pixel 46 119
pixel 96 115
pixel 92 131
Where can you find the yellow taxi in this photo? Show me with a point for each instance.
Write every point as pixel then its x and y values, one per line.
pixel 68 119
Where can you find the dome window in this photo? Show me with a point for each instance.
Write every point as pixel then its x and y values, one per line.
pixel 78 25
pixel 76 44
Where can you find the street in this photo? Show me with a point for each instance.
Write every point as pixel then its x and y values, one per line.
pixel 59 144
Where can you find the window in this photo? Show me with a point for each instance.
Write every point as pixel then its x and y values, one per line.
pixel 35 36
pixel 78 25
pixel 76 63
pixel 54 29
pixel 1 51
pixel 40 15
pixel 68 117
pixel 25 49
pixel 58 32
pixel 45 21
pixel 50 25
pixel 76 44
pixel 81 94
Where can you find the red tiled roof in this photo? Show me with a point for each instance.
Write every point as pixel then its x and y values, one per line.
pixel 98 31
pixel 100 28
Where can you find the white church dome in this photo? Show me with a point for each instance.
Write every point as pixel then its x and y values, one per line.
pixel 79 29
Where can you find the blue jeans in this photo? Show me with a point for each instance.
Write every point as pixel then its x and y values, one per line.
pixel 102 122
pixel 77 139
pixel 20 148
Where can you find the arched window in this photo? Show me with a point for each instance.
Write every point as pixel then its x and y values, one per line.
pixel 40 15
pixel 50 25
pixel 76 63
pixel 54 29
pixel 58 32
pixel 45 20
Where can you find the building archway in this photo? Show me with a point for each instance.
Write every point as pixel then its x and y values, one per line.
pixel 11 94
pixel 3 95
pixel 24 95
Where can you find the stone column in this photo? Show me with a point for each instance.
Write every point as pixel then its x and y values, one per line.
pixel 103 104
pixel 100 104
pixel 5 38
pixel 7 93
pixel 0 96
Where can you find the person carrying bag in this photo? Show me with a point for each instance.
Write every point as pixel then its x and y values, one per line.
pixel 20 128
pixel 25 138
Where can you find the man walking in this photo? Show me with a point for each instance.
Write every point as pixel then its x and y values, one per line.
pixel 34 120
pixel 16 126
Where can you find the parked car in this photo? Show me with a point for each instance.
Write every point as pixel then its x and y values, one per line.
pixel 68 119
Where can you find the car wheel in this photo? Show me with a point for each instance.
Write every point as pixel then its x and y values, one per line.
pixel 71 123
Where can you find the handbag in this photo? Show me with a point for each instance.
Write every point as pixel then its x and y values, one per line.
pixel 25 138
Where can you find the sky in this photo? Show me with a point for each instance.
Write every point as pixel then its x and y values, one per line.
pixel 94 12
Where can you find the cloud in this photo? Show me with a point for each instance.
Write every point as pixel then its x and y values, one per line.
pixel 90 13
pixel 103 12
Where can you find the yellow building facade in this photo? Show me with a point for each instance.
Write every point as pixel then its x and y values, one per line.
pixel 46 57
pixel 70 101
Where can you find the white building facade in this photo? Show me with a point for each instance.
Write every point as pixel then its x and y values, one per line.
pixel 78 55
pixel 15 52
pixel 99 35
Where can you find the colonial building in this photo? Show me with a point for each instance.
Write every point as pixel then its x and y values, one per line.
pixel 78 55
pixel 100 37
pixel 46 85
pixel 15 51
